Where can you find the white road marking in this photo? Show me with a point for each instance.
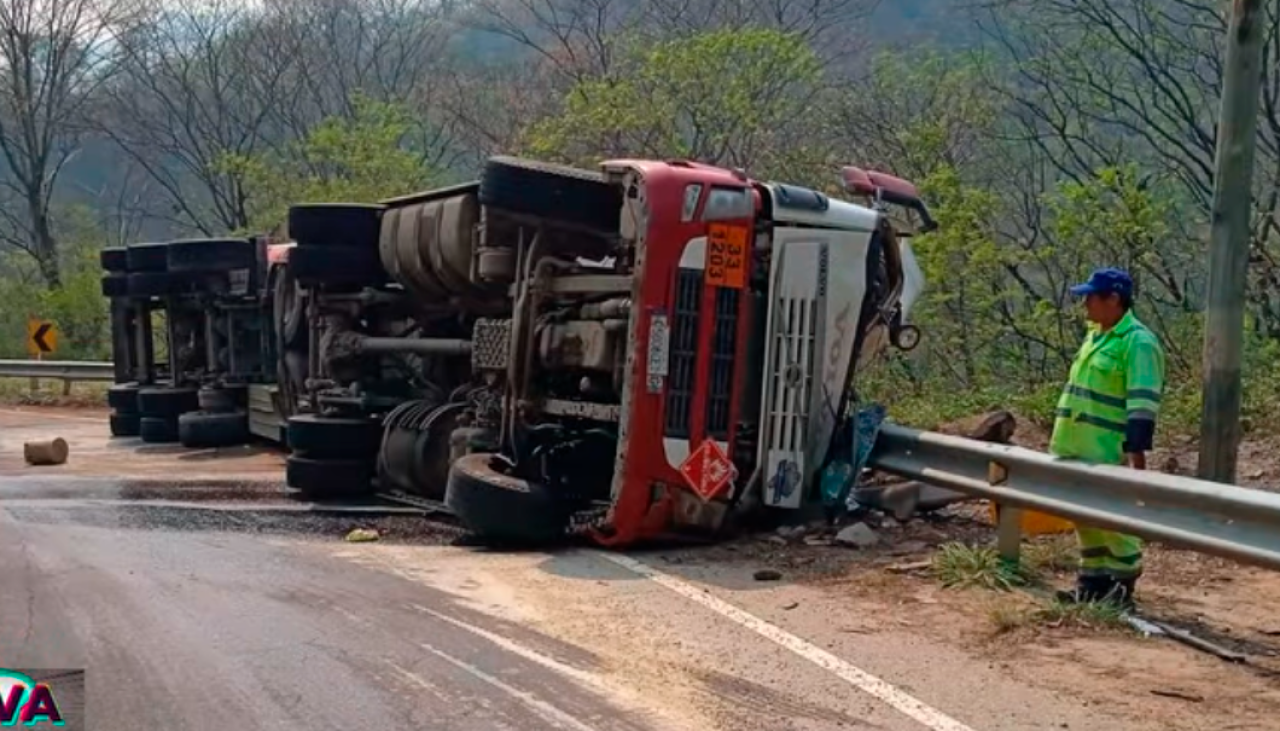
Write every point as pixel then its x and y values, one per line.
pixel 866 682
pixel 356 618
pixel 544 710
pixel 516 648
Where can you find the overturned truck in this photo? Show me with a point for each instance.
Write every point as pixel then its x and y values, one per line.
pixel 654 348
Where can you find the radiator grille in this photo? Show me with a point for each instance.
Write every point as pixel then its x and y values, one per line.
pixel 723 338
pixel 794 350
pixel 684 352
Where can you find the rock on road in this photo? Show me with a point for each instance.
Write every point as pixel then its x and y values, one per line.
pixel 190 612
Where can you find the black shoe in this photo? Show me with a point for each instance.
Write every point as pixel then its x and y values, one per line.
pixel 1088 589
pixel 1123 594
pixel 1093 589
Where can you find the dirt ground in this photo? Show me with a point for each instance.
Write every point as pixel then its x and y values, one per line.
pixel 94 453
pixel 891 586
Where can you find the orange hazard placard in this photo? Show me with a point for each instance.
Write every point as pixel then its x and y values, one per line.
pixel 727 254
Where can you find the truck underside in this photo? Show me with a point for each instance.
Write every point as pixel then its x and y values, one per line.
pixel 653 348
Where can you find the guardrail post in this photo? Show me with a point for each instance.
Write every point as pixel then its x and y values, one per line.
pixel 1008 519
pixel 1009 533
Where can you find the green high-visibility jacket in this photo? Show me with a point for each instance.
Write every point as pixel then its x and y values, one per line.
pixel 1116 383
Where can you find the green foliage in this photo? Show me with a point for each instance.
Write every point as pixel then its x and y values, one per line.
pixel 1000 325
pixel 77 307
pixel 735 97
pixel 920 111
pixel 958 566
pixel 362 158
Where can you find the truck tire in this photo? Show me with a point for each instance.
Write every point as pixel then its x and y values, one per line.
pixel 557 192
pixel 289 310
pixel 114 259
pixel 204 430
pixel 337 266
pixel 125 425
pixel 146 257
pixel 115 285
pixel 167 403
pixel 335 437
pixel 328 479
pixel 336 225
pixel 221 399
pixel 149 284
pixel 161 284
pixel 123 398
pixel 502 509
pixel 210 255
pixel 158 430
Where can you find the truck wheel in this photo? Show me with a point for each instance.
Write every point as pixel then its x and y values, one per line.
pixel 328 479
pixel 149 284
pixel 337 266
pixel 211 255
pixel 288 309
pixel 336 437
pixel 158 430
pixel 125 425
pixel 146 257
pixel 221 399
pixel 114 259
pixel 123 398
pixel 558 192
pixel 115 285
pixel 335 225
pixel 167 403
pixel 500 508
pixel 160 284
pixel 204 430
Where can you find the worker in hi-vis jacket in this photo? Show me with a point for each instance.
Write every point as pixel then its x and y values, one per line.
pixel 1107 415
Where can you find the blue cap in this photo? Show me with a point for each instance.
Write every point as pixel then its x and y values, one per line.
pixel 1106 281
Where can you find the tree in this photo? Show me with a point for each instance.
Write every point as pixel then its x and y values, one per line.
pixel 1112 83
pixel 195 83
pixel 211 78
pixel 54 56
pixel 736 98
pixel 362 158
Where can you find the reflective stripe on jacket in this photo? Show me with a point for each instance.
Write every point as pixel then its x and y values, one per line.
pixel 1117 377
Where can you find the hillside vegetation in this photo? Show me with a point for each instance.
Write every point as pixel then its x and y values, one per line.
pixel 1052 136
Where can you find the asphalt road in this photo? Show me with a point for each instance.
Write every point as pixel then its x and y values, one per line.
pixel 196 596
pixel 217 627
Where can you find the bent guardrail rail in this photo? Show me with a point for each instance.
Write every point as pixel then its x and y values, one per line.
pixel 1221 520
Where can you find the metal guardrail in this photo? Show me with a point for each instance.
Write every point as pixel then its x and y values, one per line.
pixel 58 370
pixel 1222 520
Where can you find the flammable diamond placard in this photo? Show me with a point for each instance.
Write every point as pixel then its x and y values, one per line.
pixel 708 470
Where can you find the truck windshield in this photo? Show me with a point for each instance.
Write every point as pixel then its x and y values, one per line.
pixel 727 203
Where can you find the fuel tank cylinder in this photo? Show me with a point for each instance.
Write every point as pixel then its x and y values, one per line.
pixel 427 247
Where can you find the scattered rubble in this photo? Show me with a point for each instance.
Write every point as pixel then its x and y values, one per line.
pixel 997 427
pixel 858 535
